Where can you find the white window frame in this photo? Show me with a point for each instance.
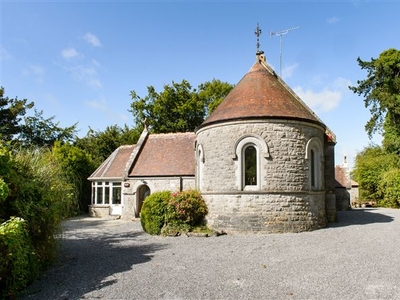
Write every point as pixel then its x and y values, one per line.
pixel 103 186
pixel 262 152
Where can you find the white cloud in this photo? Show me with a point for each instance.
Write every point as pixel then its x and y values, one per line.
pixel 5 55
pixel 327 99
pixel 288 71
pixel 97 105
pixel 101 105
pixel 71 52
pixel 332 20
pixel 92 39
pixel 85 74
pixel 35 71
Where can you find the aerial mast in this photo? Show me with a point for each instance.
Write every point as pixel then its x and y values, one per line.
pixel 280 33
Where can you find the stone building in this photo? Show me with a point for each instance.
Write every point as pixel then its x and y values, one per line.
pixel 346 189
pixel 263 161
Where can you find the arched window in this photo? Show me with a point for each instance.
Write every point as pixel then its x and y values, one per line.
pixel 314 155
pixel 249 153
pixel 250 166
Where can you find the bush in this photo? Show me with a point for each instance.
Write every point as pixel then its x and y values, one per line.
pixel 16 264
pixel 186 207
pixel 390 186
pixel 152 215
pixel 173 213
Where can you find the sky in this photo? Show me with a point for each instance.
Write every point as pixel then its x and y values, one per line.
pixel 80 60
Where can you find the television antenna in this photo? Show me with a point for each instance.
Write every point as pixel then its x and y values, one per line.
pixel 280 33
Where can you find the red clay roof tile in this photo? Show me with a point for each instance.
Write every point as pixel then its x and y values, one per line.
pixel 170 154
pixel 114 165
pixel 260 94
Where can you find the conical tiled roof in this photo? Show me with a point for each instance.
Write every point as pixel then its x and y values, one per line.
pixel 261 94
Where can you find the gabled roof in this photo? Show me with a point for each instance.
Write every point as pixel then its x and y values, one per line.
pixel 113 167
pixel 170 154
pixel 261 94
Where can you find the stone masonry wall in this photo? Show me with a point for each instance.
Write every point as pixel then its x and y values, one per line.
pixel 155 184
pixel 283 201
pixel 285 169
pixel 266 213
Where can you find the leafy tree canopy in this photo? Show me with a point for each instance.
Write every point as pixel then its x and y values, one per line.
pixel 41 132
pixel 100 144
pixel 11 113
pixel 381 92
pixel 179 107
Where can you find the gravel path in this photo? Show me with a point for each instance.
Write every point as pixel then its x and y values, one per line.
pixel 356 258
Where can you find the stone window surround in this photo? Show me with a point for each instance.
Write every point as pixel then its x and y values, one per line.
pixel 262 151
pixel 314 144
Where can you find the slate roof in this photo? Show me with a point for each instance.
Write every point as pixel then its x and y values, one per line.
pixel 170 154
pixel 113 167
pixel 261 94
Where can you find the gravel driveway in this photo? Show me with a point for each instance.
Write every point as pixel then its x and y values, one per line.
pixel 356 258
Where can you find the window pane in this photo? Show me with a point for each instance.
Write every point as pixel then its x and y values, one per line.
pixel 312 168
pixel 116 197
pixel 93 195
pixel 107 195
pixel 250 166
pixel 99 195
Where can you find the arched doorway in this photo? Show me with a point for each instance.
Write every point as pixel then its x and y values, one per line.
pixel 142 192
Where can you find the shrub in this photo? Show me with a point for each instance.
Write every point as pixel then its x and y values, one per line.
pixel 173 213
pixel 186 207
pixel 152 215
pixel 390 186
pixel 16 264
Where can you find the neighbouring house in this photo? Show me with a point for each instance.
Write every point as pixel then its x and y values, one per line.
pixel 263 161
pixel 346 189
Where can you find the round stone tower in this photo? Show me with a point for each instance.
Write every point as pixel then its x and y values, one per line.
pixel 265 161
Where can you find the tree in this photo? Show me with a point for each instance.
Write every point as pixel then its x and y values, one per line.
pixel 78 166
pixel 381 92
pixel 179 107
pixel 100 144
pixel 371 170
pixel 41 132
pixel 213 93
pixel 11 113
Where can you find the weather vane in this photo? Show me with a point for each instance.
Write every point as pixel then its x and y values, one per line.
pixel 258 33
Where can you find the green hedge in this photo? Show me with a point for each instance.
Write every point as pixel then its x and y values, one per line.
pixel 17 266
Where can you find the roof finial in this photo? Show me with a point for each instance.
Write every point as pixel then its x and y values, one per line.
pixel 258 33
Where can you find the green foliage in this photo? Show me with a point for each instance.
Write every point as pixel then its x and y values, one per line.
pixel 186 207
pixel 372 166
pixel 390 188
pixel 39 192
pixel 100 144
pixel 179 107
pixel 40 132
pixel 381 92
pixel 4 190
pixel 154 208
pixel 16 266
pixel 11 113
pixel 212 93
pixel 77 165
pixel 173 213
